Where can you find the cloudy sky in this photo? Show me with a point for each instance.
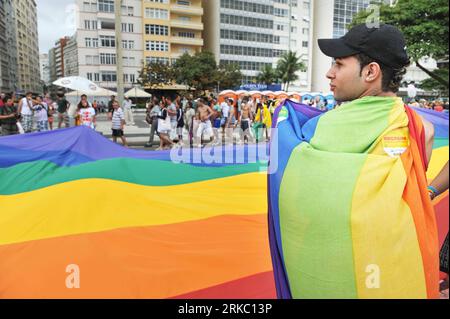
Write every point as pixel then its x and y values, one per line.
pixel 56 18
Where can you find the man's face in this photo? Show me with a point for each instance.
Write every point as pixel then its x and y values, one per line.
pixel 346 81
pixel 10 102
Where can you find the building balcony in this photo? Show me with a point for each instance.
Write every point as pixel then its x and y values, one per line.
pixel 186 10
pixel 188 41
pixel 186 25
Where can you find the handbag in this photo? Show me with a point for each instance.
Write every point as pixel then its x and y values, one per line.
pixel 149 119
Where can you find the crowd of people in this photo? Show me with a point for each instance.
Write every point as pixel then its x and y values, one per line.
pixel 206 121
pixel 39 113
pixel 436 105
pixel 175 121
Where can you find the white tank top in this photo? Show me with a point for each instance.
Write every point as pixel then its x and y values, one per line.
pixel 26 107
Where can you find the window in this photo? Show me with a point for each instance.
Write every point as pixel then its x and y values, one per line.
pixel 129 61
pixel 109 76
pixel 128 11
pixel 155 29
pixel 128 44
pixel 92 60
pixel 128 27
pixel 91 42
pixel 186 35
pixel 149 60
pixel 106 6
pixel 108 41
pixel 107 58
pixel 157 46
pixel 90 24
pixel 152 13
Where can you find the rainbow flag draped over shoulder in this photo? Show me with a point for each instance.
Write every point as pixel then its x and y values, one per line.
pixel 76 208
pixel 349 212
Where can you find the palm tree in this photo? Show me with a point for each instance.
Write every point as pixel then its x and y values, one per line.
pixel 267 75
pixel 288 66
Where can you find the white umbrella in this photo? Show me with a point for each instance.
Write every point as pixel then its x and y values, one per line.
pixel 137 93
pixel 79 84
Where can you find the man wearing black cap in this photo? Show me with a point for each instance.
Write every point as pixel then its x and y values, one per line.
pixel 369 62
pixel 349 210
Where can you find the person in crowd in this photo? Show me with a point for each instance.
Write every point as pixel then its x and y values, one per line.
pixel 164 127
pixel 8 117
pixel 86 115
pixel 41 113
pixel 118 124
pixel 128 110
pixel 51 110
pixel 63 108
pixel 189 121
pixel 180 121
pixel 26 112
pixel 246 122
pixel 153 110
pixel 111 107
pixel 204 112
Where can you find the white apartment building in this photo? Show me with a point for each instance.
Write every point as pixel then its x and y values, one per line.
pixel 96 42
pixel 255 33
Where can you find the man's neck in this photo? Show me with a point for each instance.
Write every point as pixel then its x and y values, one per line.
pixel 377 92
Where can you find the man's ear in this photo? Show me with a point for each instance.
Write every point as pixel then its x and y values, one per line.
pixel 372 72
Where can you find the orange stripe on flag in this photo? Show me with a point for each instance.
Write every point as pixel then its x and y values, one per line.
pixel 146 262
pixel 417 198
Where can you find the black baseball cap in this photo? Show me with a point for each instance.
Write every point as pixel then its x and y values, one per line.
pixel 385 44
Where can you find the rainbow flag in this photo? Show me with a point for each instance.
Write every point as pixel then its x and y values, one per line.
pixel 81 217
pixel 135 224
pixel 349 212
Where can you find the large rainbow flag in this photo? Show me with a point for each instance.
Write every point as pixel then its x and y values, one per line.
pixel 134 223
pixel 349 212
pixel 81 217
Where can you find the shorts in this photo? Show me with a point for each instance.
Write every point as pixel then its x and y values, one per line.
pixel 245 125
pixel 205 128
pixel 223 122
pixel 217 123
pixel 117 133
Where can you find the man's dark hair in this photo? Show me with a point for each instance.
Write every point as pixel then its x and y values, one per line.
pixel 391 79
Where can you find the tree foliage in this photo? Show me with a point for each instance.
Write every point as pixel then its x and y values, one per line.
pixel 229 76
pixel 197 71
pixel 155 75
pixel 431 84
pixel 424 24
pixel 287 68
pixel 268 75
